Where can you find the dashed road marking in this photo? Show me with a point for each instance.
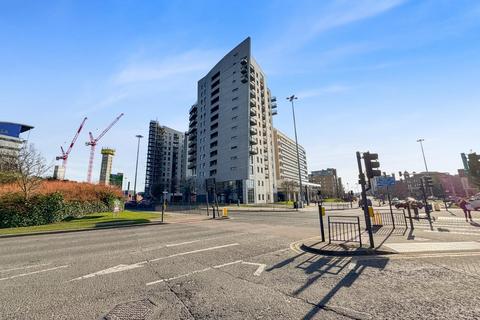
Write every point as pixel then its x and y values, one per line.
pixel 24 267
pixel 33 272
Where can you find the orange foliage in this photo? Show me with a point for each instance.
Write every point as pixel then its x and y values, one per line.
pixel 70 190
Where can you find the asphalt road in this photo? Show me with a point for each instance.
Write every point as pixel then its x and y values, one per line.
pixel 241 268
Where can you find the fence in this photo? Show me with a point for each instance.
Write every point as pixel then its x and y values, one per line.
pixel 387 218
pixel 344 229
pixel 336 205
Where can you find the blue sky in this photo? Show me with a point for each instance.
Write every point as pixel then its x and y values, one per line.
pixel 370 75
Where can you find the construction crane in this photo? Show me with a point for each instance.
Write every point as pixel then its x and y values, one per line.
pixel 93 142
pixel 65 154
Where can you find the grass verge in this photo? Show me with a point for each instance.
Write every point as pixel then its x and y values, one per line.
pixel 90 221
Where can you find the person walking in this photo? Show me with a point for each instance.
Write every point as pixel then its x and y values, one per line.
pixel 466 207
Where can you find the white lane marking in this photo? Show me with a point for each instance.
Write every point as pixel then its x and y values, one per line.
pixel 226 264
pixel 433 246
pixel 258 271
pixel 25 267
pixel 195 251
pixel 125 267
pixel 419 256
pixel 119 268
pixel 33 272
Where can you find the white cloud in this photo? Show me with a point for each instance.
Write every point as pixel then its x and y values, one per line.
pixel 190 62
pixel 315 92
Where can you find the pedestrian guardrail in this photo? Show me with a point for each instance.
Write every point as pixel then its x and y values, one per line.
pixel 344 229
pixel 388 218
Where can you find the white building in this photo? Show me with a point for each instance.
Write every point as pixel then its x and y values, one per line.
pixel 230 133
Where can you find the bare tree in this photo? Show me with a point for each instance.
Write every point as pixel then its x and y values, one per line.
pixel 30 167
pixel 289 186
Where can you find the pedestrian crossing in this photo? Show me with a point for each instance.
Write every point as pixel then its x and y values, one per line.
pixel 452 225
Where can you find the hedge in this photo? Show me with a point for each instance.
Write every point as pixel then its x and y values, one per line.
pixel 40 209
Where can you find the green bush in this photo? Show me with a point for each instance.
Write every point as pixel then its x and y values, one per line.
pixel 15 211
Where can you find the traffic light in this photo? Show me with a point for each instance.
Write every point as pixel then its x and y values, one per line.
pixel 428 182
pixel 371 165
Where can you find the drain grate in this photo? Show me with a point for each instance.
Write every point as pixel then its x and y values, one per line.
pixel 133 310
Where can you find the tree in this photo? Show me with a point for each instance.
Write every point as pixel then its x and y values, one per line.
pixel 289 186
pixel 29 168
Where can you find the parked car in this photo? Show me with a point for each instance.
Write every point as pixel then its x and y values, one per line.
pixel 475 201
pixel 410 201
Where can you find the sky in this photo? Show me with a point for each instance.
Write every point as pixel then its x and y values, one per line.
pixel 370 75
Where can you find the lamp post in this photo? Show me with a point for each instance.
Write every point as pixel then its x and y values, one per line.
pixel 291 98
pixel 423 153
pixel 138 136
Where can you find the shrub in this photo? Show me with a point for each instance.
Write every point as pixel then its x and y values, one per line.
pixel 54 201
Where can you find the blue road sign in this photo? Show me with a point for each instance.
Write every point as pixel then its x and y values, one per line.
pixel 385 181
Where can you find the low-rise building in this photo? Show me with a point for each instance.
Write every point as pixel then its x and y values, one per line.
pixel 331 185
pixel 11 141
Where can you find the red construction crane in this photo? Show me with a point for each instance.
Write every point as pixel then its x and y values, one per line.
pixel 93 142
pixel 65 154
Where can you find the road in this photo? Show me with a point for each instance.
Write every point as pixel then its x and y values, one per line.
pixel 241 268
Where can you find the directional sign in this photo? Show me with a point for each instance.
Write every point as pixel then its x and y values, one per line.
pixel 385 181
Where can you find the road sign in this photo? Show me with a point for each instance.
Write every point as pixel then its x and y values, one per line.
pixel 385 181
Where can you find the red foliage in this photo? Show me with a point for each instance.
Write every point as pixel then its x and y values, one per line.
pixel 70 190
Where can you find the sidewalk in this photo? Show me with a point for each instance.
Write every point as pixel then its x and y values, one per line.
pixel 448 232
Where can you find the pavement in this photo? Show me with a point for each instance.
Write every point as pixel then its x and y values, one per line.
pixel 245 267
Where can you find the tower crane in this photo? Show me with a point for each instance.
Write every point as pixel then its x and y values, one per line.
pixel 65 154
pixel 93 142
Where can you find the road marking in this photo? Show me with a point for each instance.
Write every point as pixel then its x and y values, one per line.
pixel 433 246
pixel 125 267
pixel 119 268
pixel 419 256
pixel 25 267
pixel 33 272
pixel 195 251
pixel 258 271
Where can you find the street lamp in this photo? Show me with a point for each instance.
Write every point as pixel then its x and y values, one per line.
pixel 423 153
pixel 138 136
pixel 291 98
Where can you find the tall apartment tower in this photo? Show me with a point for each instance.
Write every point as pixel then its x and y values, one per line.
pixel 230 150
pixel 106 168
pixel 286 165
pixel 165 161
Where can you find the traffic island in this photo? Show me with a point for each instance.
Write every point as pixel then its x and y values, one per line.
pixel 341 249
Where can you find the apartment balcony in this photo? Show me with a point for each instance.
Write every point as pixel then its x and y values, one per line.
pixel 253 95
pixel 244 80
pixel 253 151
pixel 192 158
pixel 253 112
pixel 274 112
pixel 253 122
pixel 253 103
pixel 252 86
pixel 244 62
pixel 253 141
pixel 253 131
pixel 192 143
pixel 192 151
pixel 192 165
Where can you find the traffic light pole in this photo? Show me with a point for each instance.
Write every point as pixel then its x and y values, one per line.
pixel 362 181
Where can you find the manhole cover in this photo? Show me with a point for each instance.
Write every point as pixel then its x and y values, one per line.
pixel 133 310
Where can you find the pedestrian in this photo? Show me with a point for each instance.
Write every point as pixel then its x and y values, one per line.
pixel 463 205
pixel 469 208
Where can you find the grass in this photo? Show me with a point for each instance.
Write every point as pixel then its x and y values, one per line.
pixel 91 221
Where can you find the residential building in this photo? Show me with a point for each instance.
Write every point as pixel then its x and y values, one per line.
pixel 106 167
pixel 328 179
pixel 286 166
pixel 165 155
pixel 230 151
pixel 11 141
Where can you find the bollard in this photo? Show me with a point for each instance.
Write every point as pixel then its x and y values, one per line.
pixel 225 212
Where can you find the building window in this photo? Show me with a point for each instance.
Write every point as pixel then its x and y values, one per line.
pixel 236 98
pixel 234 147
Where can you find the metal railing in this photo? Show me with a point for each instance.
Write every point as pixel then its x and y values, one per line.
pixel 344 229
pixel 387 218
pixel 336 205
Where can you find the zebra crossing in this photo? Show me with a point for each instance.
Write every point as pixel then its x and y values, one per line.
pixel 451 225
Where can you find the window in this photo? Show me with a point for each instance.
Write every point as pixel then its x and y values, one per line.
pixel 233 168
pixel 213 144
pixel 235 89
pixel 213 153
pixel 215 100
pixel 214 135
pixel 235 118
pixel 215 117
pixel 236 98
pixel 214 92
pixel 234 127
pixel 213 163
pixel 215 76
pixel 215 84
pixel 214 126
pixel 233 147
pixel 235 108
pixel 233 158
pixel 213 172
pixel 214 109
pixel 234 138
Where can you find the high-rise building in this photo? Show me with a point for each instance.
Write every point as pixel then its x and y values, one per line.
pixel 165 161
pixel 10 142
pixel 230 150
pixel 106 168
pixel 116 180
pixel 286 166
pixel 328 180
